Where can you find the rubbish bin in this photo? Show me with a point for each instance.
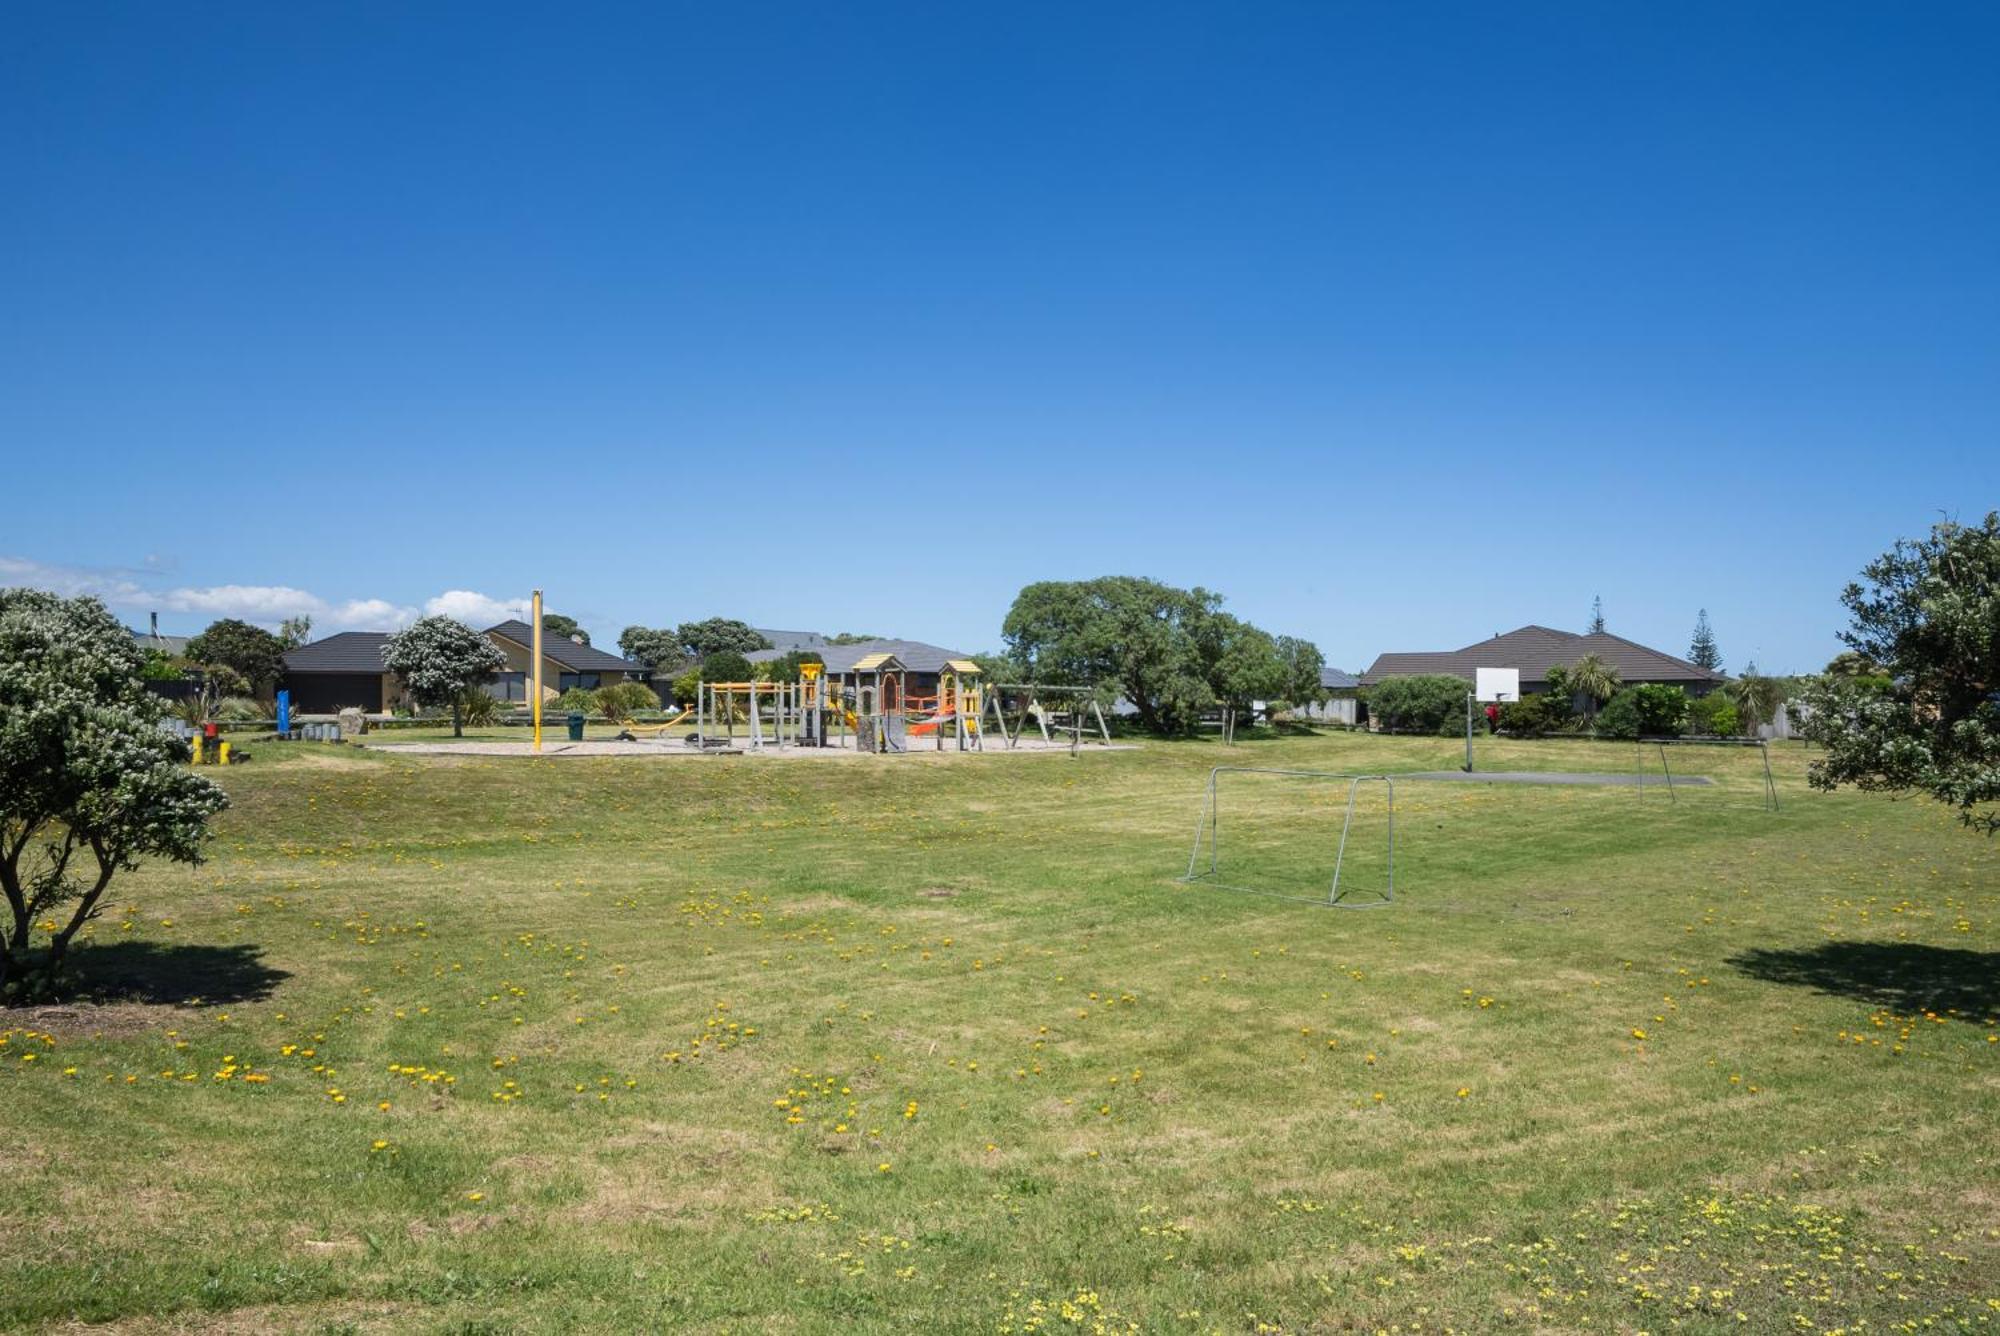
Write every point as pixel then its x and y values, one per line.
pixel 575 720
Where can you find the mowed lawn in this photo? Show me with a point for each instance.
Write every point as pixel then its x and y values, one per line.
pixel 737 1044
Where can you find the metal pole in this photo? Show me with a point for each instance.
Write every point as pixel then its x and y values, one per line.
pixel 535 678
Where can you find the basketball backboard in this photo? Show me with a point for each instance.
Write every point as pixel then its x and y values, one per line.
pixel 1497 683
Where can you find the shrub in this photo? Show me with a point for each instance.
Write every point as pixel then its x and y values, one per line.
pixel 239 710
pixel 622 700
pixel 580 699
pixel 725 666
pixel 687 687
pixel 1663 710
pixel 1535 716
pixel 478 707
pixel 1712 716
pixel 1620 717
pixel 785 668
pixel 1431 703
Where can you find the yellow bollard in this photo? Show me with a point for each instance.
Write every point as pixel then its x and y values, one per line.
pixel 222 753
pixel 195 742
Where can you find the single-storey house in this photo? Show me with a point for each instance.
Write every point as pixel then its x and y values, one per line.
pixel 346 669
pixel 566 663
pixel 922 663
pixel 1536 649
pixel 336 672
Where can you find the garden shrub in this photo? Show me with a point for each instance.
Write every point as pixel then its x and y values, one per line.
pixel 1663 710
pixel 622 700
pixel 1535 716
pixel 1621 717
pixel 239 710
pixel 1428 703
pixel 478 707
pixel 581 700
pixel 1713 716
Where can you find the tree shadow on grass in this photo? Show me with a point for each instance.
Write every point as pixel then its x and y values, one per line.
pixel 1899 976
pixel 170 975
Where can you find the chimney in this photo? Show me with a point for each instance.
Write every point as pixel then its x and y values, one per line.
pixel 156 626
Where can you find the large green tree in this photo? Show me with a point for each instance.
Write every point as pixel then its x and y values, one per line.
pixel 1928 613
pixel 555 624
pixel 1122 631
pixel 1702 649
pixel 89 783
pixel 718 635
pixel 1304 668
pixel 440 659
pixel 251 651
pixel 656 647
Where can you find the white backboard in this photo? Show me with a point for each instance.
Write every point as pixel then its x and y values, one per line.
pixel 1498 683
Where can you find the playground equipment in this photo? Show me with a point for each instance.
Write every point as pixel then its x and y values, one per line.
pixel 958 707
pixel 631 730
pixel 1068 710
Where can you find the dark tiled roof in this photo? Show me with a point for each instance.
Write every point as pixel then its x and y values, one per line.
pixel 1335 679
pixel 174 645
pixel 347 652
pixel 1536 649
pixel 577 658
pixel 914 654
pixel 783 642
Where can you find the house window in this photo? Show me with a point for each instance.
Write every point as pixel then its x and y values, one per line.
pixel 508 686
pixel 588 681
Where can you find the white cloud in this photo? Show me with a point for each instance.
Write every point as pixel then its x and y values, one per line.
pixel 112 584
pixel 252 603
pixel 131 591
pixel 370 614
pixel 475 609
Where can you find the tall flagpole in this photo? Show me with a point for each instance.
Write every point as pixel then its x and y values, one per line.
pixel 535 671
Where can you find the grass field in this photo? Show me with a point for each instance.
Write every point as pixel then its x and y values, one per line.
pixel 749 1045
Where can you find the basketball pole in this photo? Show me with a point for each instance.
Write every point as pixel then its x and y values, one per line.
pixel 535 671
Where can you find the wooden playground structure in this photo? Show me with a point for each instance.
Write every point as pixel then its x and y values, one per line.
pixel 870 708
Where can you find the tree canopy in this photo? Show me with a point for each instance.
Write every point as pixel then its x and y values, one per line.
pixel 555 624
pixel 250 651
pixel 656 647
pixel 718 635
pixel 89 783
pixel 1702 649
pixel 1172 653
pixel 1928 613
pixel 439 659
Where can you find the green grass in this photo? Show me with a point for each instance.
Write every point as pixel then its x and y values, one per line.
pixel 753 1045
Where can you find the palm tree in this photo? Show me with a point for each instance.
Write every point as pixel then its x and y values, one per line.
pixel 1754 696
pixel 1593 679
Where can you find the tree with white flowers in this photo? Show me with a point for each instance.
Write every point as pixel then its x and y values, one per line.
pixel 440 659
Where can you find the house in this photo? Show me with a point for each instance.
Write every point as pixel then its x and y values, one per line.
pixel 784 642
pixel 171 646
pixel 566 663
pixel 1340 705
pixel 922 663
pixel 1536 649
pixel 346 669
pixel 340 671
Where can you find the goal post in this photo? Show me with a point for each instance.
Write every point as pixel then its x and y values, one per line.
pixel 1273 839
pixel 1655 756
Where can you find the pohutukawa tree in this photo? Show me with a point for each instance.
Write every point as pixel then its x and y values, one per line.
pixel 1926 615
pixel 439 660
pixel 89 783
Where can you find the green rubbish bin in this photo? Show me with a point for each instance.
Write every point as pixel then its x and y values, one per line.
pixel 575 721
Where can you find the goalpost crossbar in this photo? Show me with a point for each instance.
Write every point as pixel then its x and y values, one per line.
pixel 1208 824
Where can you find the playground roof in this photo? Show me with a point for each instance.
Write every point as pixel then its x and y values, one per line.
pixel 577 658
pixel 877 663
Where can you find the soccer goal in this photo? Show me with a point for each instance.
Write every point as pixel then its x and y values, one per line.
pixel 1727 767
pixel 1286 833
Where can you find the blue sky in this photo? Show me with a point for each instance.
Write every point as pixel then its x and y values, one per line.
pixel 1398 325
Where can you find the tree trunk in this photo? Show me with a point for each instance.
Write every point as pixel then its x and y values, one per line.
pixel 457 730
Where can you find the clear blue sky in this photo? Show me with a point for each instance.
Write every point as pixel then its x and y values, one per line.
pixel 1399 325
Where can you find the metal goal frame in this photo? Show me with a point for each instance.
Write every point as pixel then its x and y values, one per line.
pixel 1208 825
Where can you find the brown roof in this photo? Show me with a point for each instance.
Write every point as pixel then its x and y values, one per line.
pixel 1536 649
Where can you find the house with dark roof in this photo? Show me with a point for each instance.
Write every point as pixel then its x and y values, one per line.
pixel 922 663
pixel 345 670
pixel 566 663
pixel 339 672
pixel 1536 649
